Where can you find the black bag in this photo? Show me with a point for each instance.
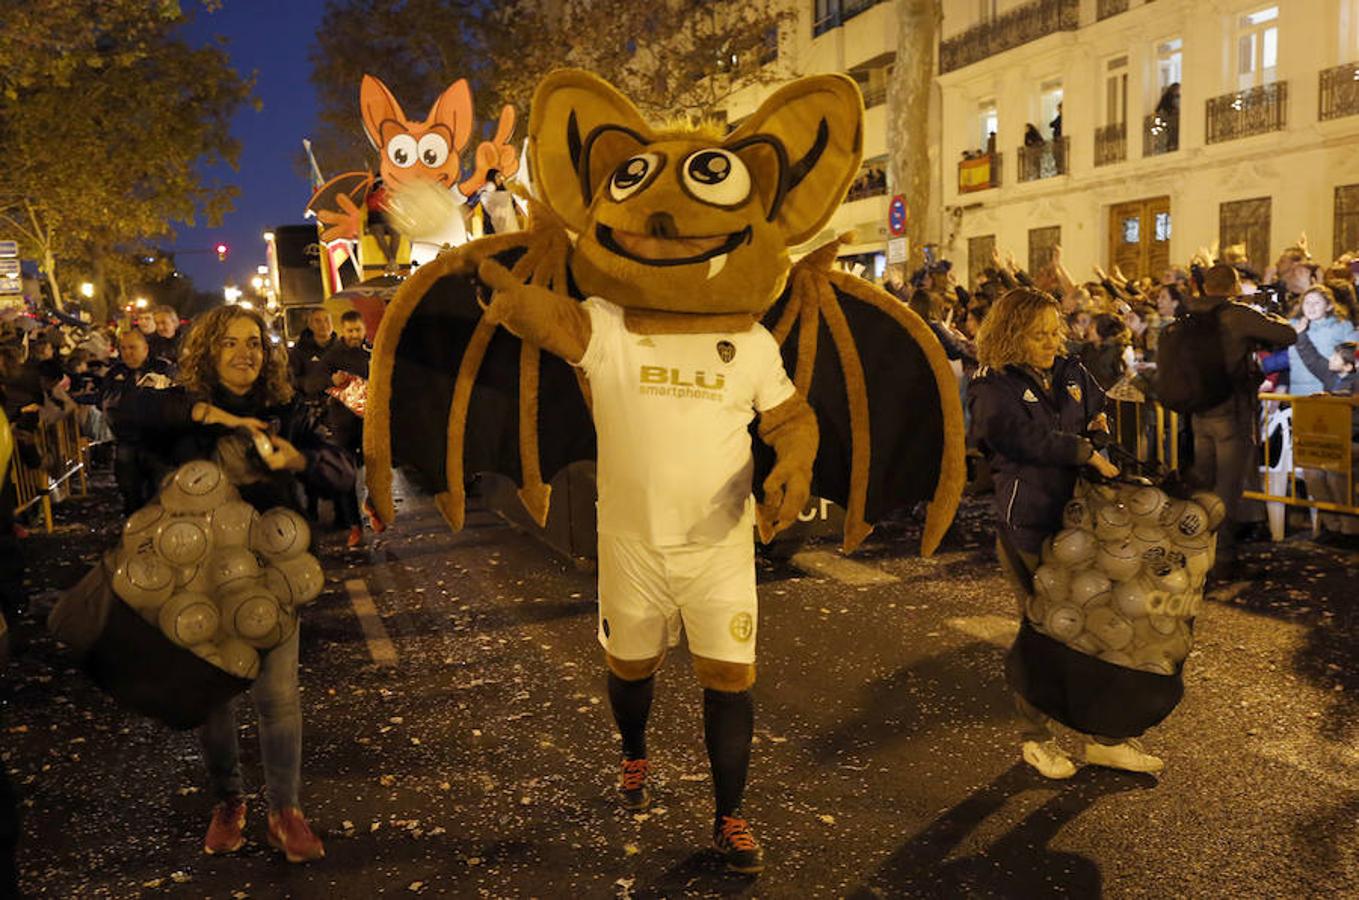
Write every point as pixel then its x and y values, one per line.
pixel 132 660
pixel 1191 370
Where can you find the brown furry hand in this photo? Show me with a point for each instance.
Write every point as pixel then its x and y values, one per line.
pixel 786 492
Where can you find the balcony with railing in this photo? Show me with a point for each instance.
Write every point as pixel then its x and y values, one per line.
pixel 1161 133
pixel 1033 20
pixel 1339 92
pixel 834 13
pixel 1106 8
pixel 874 95
pixel 1111 143
pixel 872 182
pixel 1258 110
pixel 1045 160
pixel 979 173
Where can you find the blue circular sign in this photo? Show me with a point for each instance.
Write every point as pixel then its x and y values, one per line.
pixel 896 215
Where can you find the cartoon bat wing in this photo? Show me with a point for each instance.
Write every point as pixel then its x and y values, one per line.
pixel 450 395
pixel 885 398
pixel 353 185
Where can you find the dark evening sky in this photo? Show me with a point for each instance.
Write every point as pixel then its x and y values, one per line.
pixel 271 38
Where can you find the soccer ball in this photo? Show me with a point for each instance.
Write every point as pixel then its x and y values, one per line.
pixel 1086 585
pixel 231 567
pixel 1212 505
pixel 1052 582
pixel 1145 505
pixel 239 658
pixel 1113 522
pixel 1112 630
pixel 1076 514
pixel 280 533
pixel 1064 622
pixel 189 619
pixel 232 523
pixel 1074 547
pixel 182 540
pixel 1120 561
pixel 198 486
pixel 249 613
pixel 295 581
pixel 140 528
pixel 143 580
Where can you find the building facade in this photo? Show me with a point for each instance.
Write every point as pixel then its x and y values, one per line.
pixel 1178 123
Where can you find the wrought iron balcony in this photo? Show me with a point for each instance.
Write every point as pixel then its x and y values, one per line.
pixel 979 173
pixel 834 13
pixel 1045 160
pixel 1106 8
pixel 873 96
pixel 1339 92
pixel 1029 22
pixel 1160 133
pixel 1245 113
pixel 1111 143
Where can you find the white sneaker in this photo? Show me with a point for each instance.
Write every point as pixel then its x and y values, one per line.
pixel 1048 758
pixel 1128 756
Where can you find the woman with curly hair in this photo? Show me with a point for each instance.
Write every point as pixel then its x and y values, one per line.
pixel 1032 412
pixel 234 376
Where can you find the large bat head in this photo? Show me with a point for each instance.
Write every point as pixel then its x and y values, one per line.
pixel 413 150
pixel 686 221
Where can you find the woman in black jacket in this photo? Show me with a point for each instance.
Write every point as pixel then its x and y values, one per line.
pixel 1032 410
pixel 234 376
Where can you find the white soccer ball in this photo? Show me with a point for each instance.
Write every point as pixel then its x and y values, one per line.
pixel 1118 658
pixel 183 540
pixel 1212 505
pixel 1162 624
pixel 189 619
pixel 143 580
pixel 239 658
pixel 1086 585
pixel 249 613
pixel 1145 505
pixel 1113 522
pixel 232 524
pixel 280 533
pixel 1064 622
pixel 140 528
pixel 198 486
pixel 193 579
pixel 1076 514
pixel 232 567
pixel 1052 582
pixel 1120 561
pixel 295 581
pixel 1133 598
pixel 1074 547
pixel 1193 520
pixel 1112 630
pixel 282 630
pixel 208 652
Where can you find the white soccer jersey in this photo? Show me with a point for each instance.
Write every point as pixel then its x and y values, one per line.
pixel 672 413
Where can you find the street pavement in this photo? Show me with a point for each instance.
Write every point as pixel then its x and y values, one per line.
pixel 458 740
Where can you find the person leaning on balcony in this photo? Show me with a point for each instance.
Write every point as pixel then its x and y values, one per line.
pixel 1032 136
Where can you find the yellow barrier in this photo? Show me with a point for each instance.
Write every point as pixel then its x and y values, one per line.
pixel 62 457
pixel 1319 439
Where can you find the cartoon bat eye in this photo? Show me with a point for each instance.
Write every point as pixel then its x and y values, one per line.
pixel 632 174
pixel 433 150
pixel 401 151
pixel 717 177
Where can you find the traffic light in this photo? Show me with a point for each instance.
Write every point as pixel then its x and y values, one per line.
pixel 222 250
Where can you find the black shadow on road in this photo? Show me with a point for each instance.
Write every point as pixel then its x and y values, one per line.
pixel 1020 863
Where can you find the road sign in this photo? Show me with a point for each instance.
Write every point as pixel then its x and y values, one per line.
pixel 896 216
pixel 9 249
pixel 898 249
pixel 11 279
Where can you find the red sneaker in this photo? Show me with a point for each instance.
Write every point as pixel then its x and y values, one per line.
pixel 224 833
pixel 355 537
pixel 289 832
pixel 374 522
pixel 740 851
pixel 632 785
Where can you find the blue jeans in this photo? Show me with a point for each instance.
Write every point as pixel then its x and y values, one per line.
pixel 1224 452
pixel 280 722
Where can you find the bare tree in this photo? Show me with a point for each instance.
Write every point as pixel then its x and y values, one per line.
pixel 908 112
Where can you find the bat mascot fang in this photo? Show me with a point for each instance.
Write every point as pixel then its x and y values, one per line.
pixel 688 356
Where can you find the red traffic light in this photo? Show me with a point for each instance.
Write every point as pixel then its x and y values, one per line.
pixel 222 250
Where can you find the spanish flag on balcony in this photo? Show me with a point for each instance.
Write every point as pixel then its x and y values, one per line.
pixel 974 174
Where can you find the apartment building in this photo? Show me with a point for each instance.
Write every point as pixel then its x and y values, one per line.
pixel 1181 122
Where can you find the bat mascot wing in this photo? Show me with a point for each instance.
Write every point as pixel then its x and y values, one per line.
pixel 885 397
pixel 450 395
pixel 689 231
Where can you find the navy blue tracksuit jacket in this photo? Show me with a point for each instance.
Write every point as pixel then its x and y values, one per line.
pixel 1034 441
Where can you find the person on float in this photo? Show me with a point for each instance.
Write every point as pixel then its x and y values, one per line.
pixel 1031 411
pixel 232 375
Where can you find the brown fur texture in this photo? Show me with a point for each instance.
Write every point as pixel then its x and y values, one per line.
pixel 791 429
pixel 546 318
pixel 633 669
pixel 716 675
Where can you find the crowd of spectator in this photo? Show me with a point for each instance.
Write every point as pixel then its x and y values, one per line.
pixel 1114 324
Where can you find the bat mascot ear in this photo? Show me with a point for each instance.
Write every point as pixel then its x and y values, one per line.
pixel 817 122
pixel 580 129
pixel 378 106
pixel 453 109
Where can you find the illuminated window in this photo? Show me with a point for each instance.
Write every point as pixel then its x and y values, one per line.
pixel 988 121
pixel 1257 47
pixel 1116 91
pixel 1163 226
pixel 1169 62
pixel 1132 230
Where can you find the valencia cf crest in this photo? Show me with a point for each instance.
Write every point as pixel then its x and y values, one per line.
pixel 726 350
pixel 1029 396
pixel 1074 390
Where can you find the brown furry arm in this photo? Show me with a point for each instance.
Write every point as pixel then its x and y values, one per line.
pixel 790 428
pixel 553 321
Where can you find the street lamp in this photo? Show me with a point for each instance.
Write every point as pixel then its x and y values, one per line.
pixel 257 283
pixel 140 303
pixel 231 293
pixel 87 290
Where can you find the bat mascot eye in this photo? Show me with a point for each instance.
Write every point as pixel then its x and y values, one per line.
pixel 401 150
pixel 433 150
pixel 635 172
pixel 716 177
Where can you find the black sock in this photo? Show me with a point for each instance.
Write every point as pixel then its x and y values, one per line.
pixel 728 724
pixel 631 703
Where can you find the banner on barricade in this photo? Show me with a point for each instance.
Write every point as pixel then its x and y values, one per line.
pixel 1321 434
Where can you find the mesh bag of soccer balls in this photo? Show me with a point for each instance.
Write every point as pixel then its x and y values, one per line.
pixel 215 576
pixel 1123 580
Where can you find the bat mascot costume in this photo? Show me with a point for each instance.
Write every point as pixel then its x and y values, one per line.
pixel 655 274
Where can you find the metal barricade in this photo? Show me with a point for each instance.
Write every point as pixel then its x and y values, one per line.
pixel 1315 437
pixel 61 458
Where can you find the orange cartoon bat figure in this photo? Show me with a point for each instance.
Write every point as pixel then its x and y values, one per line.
pixel 411 150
